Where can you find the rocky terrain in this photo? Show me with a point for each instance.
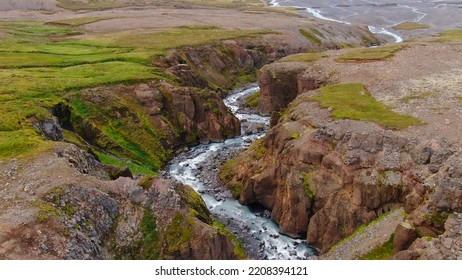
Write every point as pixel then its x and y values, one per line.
pixel 63 205
pixel 99 96
pixel 324 173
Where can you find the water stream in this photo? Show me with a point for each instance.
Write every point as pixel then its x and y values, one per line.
pixel 260 234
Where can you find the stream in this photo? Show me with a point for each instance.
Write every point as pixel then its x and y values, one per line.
pixel 198 168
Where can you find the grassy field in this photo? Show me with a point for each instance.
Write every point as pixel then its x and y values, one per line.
pixel 77 5
pixel 411 26
pixel 371 54
pixel 78 21
pixel 352 101
pixel 304 57
pixel 42 65
pixel 450 36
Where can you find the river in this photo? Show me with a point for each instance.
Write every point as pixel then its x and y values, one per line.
pixel 259 234
pixel 381 15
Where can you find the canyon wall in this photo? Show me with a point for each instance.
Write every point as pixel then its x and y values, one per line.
pixel 323 178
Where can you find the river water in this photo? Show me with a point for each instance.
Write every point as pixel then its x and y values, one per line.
pixel 259 234
pixel 381 15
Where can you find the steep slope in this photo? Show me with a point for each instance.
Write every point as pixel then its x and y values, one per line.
pixel 325 168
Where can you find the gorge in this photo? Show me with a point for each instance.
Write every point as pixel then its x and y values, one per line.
pixel 109 115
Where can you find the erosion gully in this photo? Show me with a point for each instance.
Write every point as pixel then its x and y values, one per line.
pixel 198 168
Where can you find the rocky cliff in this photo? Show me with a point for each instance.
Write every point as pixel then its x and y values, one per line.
pixel 322 177
pixel 78 213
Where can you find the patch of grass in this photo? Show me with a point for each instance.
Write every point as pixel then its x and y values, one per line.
pixel 307 185
pixel 228 170
pixel 78 21
pixel 178 233
pixel 352 101
pixel 146 181
pixel 178 37
pixel 382 252
pixel 150 244
pixel 45 211
pixel 408 25
pixel 362 228
pixel 227 3
pixel 37 71
pixel 371 54
pixel 258 149
pixel 236 189
pixel 134 168
pixel 197 207
pixel 450 36
pixel 304 57
pixel 459 98
pixel 239 250
pixel 295 135
pixel 23 142
pixel 76 5
pixel 311 35
pixel 253 100
pixel 417 96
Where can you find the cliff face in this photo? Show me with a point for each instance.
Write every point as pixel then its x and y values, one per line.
pixel 323 178
pixel 77 213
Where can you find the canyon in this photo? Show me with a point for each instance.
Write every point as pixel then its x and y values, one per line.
pixel 83 157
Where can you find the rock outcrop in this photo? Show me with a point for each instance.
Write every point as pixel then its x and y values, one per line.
pixel 322 179
pixel 59 205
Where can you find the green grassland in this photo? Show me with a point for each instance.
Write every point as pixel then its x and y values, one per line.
pixel 304 57
pixel 78 21
pixel 371 54
pixel 352 101
pixel 411 26
pixel 77 5
pixel 451 36
pixel 42 65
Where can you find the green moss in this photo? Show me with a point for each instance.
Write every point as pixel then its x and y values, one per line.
pixel 257 149
pixel 239 250
pixel 352 101
pixel 150 246
pixel 178 233
pixel 360 230
pixel 253 100
pixel 437 218
pixel 196 204
pixel 307 186
pixel 295 135
pixel 45 211
pixel 146 181
pixel 304 57
pixel 228 170
pixel 411 26
pixel 236 189
pixel 370 54
pixel 311 36
pixel 382 252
